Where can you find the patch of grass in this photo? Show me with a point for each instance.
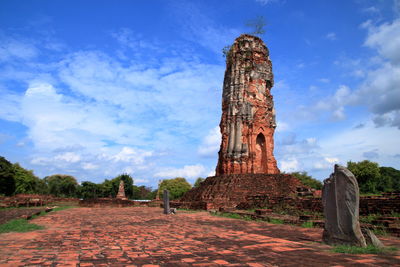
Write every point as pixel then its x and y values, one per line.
pixel 232 216
pixel 63 208
pixel 229 215
pixel 188 210
pixel 23 225
pixel 369 218
pixel 367 250
pixel 275 221
pixel 19 225
pixel 370 195
pixel 395 214
pixel 380 232
pixel 307 224
pixel 251 210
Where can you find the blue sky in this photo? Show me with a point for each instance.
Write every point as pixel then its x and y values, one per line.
pixel 97 88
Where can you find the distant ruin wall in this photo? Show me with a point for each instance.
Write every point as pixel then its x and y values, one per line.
pixel 368 205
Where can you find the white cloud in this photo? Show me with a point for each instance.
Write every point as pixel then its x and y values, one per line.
pixel 128 154
pixel 396 6
pixel 371 9
pixel 282 126
pixel 188 171
pixel 331 36
pixel 386 39
pixel 89 166
pixel 11 49
pixel 336 103
pixel 202 29
pixel 68 157
pixel 289 165
pixel 211 173
pixel 331 160
pixel 265 2
pixel 10 105
pixel 324 80
pixel 380 90
pixel 110 110
pixel 127 38
pixel 211 143
pixel 325 163
pixel 140 181
pixel 352 144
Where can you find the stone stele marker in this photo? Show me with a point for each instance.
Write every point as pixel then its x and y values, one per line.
pixel 340 198
pixel 166 202
pixel 121 190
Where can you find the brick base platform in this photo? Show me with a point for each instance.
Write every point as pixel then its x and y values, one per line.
pixel 233 190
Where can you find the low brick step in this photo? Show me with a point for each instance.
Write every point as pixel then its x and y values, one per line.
pixel 305 217
pixel 389 218
pixel 263 211
pixel 394 231
pixel 318 223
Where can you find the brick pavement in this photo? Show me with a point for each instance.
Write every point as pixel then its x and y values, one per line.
pixel 142 236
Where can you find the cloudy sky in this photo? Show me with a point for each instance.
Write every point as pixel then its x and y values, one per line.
pixel 97 88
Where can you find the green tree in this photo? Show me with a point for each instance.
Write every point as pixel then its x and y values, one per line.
pixel 143 192
pixel 390 179
pixel 177 187
pixel 7 181
pixel 25 180
pixel 307 180
pixel 198 182
pixel 89 190
pixel 367 174
pixel 62 185
pixel 152 195
pixel 106 189
pixel 41 187
pixel 128 185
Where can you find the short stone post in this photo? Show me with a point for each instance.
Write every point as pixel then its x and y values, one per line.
pixel 166 202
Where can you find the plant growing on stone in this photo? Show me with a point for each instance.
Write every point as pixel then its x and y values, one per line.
pixel 307 180
pixel 307 225
pixel 225 50
pixel 198 182
pixel 257 25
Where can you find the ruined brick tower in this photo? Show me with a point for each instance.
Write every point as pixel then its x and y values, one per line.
pixel 248 115
pixel 246 174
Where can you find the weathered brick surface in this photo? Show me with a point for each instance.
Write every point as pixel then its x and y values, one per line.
pixel 106 202
pixel 145 237
pixel 248 115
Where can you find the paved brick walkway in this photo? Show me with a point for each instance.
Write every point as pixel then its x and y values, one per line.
pixel 145 237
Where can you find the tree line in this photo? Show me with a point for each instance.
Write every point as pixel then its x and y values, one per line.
pixel 371 178
pixel 14 179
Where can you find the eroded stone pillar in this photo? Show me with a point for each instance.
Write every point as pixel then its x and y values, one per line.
pixel 247 110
